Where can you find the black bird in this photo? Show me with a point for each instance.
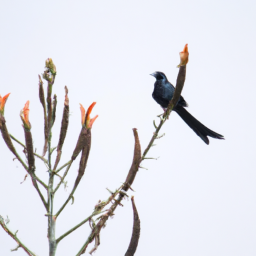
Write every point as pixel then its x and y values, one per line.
pixel 163 93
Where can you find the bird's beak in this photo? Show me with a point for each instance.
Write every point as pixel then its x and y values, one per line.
pixel 153 74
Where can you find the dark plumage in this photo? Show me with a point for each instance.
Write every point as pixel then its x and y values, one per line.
pixel 163 93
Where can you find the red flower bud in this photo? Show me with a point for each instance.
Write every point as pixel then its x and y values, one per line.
pixel 24 114
pixel 184 56
pixel 2 102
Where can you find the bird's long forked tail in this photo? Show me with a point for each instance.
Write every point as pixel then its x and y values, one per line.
pixel 201 130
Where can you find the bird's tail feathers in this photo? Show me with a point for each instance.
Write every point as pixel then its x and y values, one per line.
pixel 201 130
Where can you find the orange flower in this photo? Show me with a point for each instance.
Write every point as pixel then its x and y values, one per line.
pixel 2 102
pixel 82 114
pixel 24 114
pixel 86 118
pixel 184 56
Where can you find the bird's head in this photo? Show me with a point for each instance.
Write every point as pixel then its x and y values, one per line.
pixel 159 75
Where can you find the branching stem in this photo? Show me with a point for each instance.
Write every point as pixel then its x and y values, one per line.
pixel 64 175
pixel 40 157
pixel 14 236
pixel 77 226
pixel 63 166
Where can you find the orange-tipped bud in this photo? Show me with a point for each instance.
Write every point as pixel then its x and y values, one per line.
pixel 24 114
pixel 89 122
pixel 184 56
pixel 92 121
pixel 82 114
pixel 2 102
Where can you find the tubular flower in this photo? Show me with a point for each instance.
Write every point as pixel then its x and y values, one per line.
pixel 2 102
pixel 82 114
pixel 184 56
pixel 24 114
pixel 86 118
pixel 89 122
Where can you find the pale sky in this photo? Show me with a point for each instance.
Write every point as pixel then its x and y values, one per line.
pixel 195 200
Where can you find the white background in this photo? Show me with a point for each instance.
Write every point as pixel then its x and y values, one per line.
pixel 195 199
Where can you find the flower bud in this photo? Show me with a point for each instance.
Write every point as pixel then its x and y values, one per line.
pixel 24 114
pixel 184 56
pixel 50 65
pixel 2 103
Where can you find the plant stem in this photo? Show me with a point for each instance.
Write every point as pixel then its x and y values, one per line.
pixel 40 157
pixel 41 182
pixel 96 230
pixel 64 175
pixel 77 226
pixel 69 162
pixel 14 236
pixel 51 218
pixel 63 206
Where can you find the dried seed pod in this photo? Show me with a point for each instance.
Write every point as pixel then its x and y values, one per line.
pixel 30 152
pixel 84 157
pixel 135 232
pixel 135 163
pixel 63 129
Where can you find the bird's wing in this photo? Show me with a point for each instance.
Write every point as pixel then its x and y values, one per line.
pixel 168 94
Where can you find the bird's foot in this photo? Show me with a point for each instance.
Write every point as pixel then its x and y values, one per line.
pixel 165 109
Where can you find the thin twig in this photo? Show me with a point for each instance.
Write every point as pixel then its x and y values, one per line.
pixel 64 175
pixel 41 182
pixel 8 142
pixel 43 159
pixel 77 226
pixel 14 236
pixel 96 230
pixel 150 158
pixel 40 157
pixel 63 166
pixel 38 190
pixel 84 142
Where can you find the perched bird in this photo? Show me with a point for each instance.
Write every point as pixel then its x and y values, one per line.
pixel 163 93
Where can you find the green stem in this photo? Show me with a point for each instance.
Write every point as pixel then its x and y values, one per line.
pixel 77 226
pixel 43 159
pixel 64 175
pixel 34 181
pixel 41 182
pixel 14 236
pixel 63 206
pixel 40 157
pixel 69 162
pixel 103 219
pixel 38 190
pixel 51 218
